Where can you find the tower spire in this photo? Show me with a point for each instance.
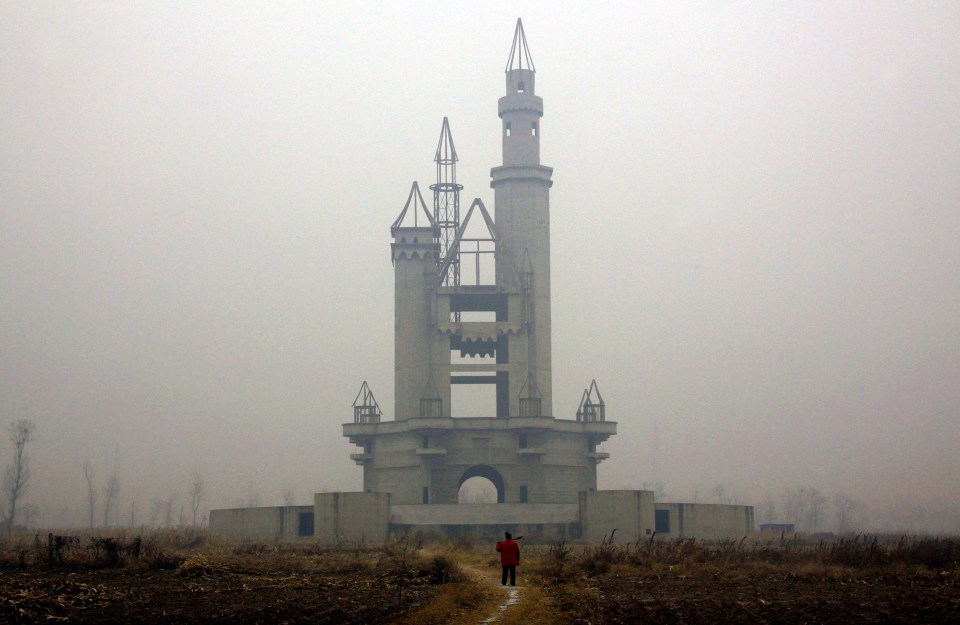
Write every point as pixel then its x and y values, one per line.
pixel 519 52
pixel 446 201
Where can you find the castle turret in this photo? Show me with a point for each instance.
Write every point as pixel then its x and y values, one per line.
pixel 522 200
pixel 415 253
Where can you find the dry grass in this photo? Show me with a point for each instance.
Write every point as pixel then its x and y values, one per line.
pixel 452 603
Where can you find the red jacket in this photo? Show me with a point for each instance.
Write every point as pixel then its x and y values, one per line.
pixel 509 552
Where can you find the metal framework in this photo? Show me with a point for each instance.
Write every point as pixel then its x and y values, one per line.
pixel 519 52
pixel 365 406
pixel 477 247
pixel 419 206
pixel 530 398
pixel 591 409
pixel 446 203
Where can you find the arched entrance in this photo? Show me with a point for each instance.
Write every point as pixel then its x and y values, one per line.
pixel 489 473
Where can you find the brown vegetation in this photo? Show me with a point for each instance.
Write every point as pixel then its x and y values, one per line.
pixel 181 576
pixel 857 579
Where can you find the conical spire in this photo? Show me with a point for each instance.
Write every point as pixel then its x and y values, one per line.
pixel 415 200
pixel 519 52
pixel 446 153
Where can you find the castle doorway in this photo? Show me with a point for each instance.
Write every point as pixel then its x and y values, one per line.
pixel 481 484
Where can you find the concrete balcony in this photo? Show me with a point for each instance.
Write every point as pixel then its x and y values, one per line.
pixel 598 456
pixel 531 452
pixel 431 452
pixel 361 458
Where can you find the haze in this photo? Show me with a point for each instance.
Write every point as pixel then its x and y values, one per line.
pixel 755 250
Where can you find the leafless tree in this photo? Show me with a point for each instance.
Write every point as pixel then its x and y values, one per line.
pixel 795 505
pixel 110 493
pixel 289 499
pixel 769 509
pixel 28 512
pixel 91 491
pixel 163 508
pixel 816 502
pixel 719 493
pixel 17 475
pixel 846 509
pixel 197 491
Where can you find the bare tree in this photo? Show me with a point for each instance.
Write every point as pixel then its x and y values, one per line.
pixel 769 509
pixel 846 509
pixel 110 493
pixel 197 491
pixel 91 491
pixel 163 508
pixel 17 475
pixel 289 499
pixel 795 505
pixel 816 502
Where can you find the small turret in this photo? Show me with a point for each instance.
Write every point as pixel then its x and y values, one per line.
pixel 520 109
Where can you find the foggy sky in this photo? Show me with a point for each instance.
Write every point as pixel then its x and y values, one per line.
pixel 754 235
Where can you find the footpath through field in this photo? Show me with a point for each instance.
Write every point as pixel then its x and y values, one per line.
pixel 505 596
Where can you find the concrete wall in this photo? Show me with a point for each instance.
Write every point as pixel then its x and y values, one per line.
pixel 539 523
pixel 629 512
pixel 268 523
pixel 351 516
pixel 705 521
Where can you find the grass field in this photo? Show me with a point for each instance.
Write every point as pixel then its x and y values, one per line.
pixel 184 576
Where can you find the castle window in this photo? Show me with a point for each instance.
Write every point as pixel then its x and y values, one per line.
pixel 426 442
pixel 507 129
pixel 520 87
pixel 523 494
pixel 305 524
pixel 533 129
pixel 426 494
pixel 662 521
pixel 523 441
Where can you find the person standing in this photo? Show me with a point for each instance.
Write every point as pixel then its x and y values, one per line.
pixel 509 558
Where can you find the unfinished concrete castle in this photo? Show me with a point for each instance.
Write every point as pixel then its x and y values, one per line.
pixel 475 309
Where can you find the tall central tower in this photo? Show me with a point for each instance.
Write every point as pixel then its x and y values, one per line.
pixel 522 199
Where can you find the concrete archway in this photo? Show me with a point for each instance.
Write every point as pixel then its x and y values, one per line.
pixel 488 472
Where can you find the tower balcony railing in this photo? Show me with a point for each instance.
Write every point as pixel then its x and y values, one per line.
pixel 431 407
pixel 530 406
pixel 591 412
pixel 366 414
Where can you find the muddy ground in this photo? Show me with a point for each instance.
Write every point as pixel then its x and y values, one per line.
pixel 765 600
pixel 224 592
pixel 673 583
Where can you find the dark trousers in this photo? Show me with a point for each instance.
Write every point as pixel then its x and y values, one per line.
pixel 512 570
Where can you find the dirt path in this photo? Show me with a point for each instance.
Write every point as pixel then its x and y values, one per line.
pixel 503 597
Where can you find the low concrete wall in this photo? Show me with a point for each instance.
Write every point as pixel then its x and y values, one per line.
pixel 703 521
pixel 351 516
pixel 267 523
pixel 537 522
pixel 506 514
pixel 629 512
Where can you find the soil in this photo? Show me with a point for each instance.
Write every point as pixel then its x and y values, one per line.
pixel 761 600
pixel 345 590
pixel 234 594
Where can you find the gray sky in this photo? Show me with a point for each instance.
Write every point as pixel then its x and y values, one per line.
pixel 755 224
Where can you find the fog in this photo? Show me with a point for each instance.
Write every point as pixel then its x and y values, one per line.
pixel 755 251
